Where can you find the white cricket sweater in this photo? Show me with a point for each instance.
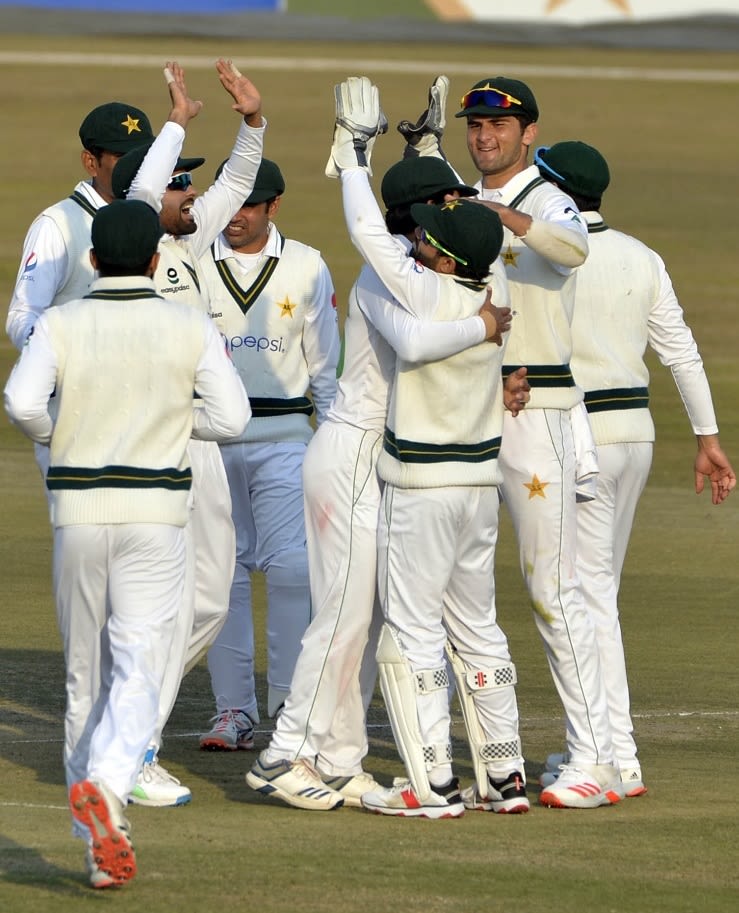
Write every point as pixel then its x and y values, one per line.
pixel 445 417
pixel 279 324
pixel 542 292
pixel 624 302
pixel 126 364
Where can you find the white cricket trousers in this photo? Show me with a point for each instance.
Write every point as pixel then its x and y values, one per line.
pixel 210 542
pixel 324 717
pixel 436 554
pixel 267 510
pixel 118 589
pixel 603 531
pixel 537 458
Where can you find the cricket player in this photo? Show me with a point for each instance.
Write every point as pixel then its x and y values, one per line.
pixel 624 301
pixel 122 365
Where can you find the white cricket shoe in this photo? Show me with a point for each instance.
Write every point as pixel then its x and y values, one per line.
pixel 505 797
pixel 352 788
pixel 583 786
pixel 295 782
pixel 156 787
pixel 632 781
pixel 110 857
pixel 232 730
pixel 402 801
pixel 631 777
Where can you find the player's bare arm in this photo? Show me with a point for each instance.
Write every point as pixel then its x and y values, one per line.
pixel 516 391
pixel 184 108
pixel 712 463
pixel 247 100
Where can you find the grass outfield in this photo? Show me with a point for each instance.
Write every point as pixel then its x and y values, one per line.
pixel 670 144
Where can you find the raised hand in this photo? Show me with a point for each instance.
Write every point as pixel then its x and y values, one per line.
pixel 184 108
pixel 247 100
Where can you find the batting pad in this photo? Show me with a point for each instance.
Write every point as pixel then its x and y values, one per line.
pixel 399 685
pixel 468 681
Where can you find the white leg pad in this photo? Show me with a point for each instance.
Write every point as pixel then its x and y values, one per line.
pixel 468 682
pixel 400 685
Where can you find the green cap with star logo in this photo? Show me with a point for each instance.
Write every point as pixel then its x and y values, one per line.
pixel 464 230
pixel 115 127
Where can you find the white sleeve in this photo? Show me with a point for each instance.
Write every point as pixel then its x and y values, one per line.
pixel 412 339
pixel 225 408
pixel 42 272
pixel 321 343
pixel 408 281
pixel 676 348
pixel 558 233
pixel 31 384
pixel 213 210
pixel 150 181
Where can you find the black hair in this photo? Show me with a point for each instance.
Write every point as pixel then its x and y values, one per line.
pixel 115 269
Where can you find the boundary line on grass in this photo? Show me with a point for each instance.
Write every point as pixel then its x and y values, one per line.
pixel 323 64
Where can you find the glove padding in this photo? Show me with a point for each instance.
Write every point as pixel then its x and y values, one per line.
pixel 359 120
pixel 424 137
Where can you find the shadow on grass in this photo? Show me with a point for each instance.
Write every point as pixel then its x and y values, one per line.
pixel 26 867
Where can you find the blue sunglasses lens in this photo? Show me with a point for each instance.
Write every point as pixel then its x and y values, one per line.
pixel 180 181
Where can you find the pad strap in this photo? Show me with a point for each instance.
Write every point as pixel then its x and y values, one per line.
pixel 487 679
pixel 428 680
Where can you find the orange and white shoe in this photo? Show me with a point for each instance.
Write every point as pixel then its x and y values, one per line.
pixel 111 852
pixel 401 800
pixel 584 786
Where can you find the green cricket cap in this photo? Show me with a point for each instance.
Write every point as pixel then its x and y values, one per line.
pixel 115 127
pixel 125 233
pixel 576 167
pixel 128 165
pixel 269 182
pixel 467 231
pixel 499 96
pixel 418 179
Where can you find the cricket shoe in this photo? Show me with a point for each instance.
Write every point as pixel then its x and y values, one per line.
pixel 295 782
pixel 156 787
pixel 352 788
pixel 232 730
pixel 110 857
pixel 505 797
pixel 631 777
pixel 583 786
pixel 401 800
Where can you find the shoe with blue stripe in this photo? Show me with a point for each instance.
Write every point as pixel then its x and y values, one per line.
pixel 295 782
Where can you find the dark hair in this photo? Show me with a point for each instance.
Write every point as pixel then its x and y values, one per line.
pixel 113 269
pixel 584 203
pixel 467 272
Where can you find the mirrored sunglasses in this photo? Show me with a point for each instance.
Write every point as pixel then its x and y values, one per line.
pixel 180 181
pixel 429 239
pixel 489 98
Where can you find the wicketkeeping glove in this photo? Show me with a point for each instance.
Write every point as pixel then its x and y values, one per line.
pixel 424 137
pixel 359 121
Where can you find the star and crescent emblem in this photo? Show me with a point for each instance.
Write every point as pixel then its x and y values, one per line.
pixel 131 124
pixel 536 487
pixel 287 307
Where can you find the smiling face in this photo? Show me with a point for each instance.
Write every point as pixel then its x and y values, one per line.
pixel 248 230
pixel 499 147
pixel 176 216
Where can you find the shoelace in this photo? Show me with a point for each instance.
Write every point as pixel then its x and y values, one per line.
pixel 153 770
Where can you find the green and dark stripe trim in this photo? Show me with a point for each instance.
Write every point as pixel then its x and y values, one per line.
pixel 544 375
pixel 595 227
pixel 617 398
pixel 80 477
pixel 422 452
pixel 121 294
pixel 263 406
pixel 517 200
pixel 245 298
pixel 83 202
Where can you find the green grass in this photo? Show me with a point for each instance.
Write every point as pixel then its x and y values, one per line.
pixel 673 178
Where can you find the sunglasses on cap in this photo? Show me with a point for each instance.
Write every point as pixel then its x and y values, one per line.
pixel 489 97
pixel 429 239
pixel 540 163
pixel 180 181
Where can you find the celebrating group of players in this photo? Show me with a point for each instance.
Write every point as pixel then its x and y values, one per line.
pixel 492 352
